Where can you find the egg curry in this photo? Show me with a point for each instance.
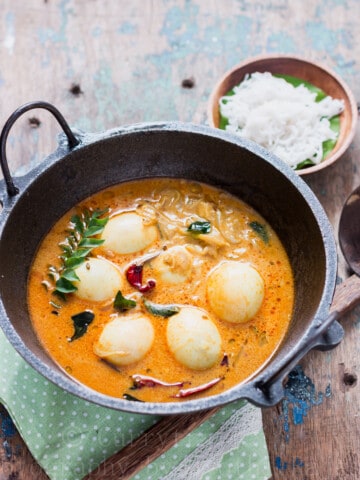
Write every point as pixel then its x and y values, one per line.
pixel 161 290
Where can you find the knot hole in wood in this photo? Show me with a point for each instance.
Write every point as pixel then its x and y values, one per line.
pixel 350 379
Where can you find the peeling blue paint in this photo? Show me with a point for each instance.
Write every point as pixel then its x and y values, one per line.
pixel 9 38
pixel 232 37
pixel 283 465
pixel 336 3
pixel 280 42
pixel 345 67
pixel 185 41
pixel 96 32
pixel 106 98
pixel 355 317
pixel 180 28
pixel 328 391
pixel 327 39
pixel 185 44
pixel 180 24
pixel 8 429
pixel 339 280
pixel 85 124
pixel 279 464
pixel 7 432
pixel 127 28
pixel 7 450
pixel 299 397
pixel 51 39
pixel 150 106
pixel 56 36
pixel 45 35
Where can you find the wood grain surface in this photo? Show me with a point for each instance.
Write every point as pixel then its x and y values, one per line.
pixel 105 64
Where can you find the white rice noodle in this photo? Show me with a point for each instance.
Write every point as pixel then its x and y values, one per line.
pixel 284 119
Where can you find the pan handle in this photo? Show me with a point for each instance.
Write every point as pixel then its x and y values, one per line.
pixel 72 140
pixel 305 346
pixel 326 334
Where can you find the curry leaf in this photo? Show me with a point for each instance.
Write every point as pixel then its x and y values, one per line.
pixel 199 227
pixel 91 242
pixel 93 230
pixel 161 310
pixel 70 275
pixel 65 286
pixel 81 322
pixel 122 304
pixel 261 230
pixel 131 398
pixel 78 223
pixel 74 262
pixel 99 213
pixel 67 249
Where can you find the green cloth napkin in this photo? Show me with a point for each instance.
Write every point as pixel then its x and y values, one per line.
pixel 70 437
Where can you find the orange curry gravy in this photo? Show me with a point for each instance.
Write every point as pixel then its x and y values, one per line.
pixel 171 205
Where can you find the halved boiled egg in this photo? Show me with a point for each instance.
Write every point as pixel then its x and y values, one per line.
pixel 235 291
pixel 99 280
pixel 127 233
pixel 173 265
pixel 193 338
pixel 125 339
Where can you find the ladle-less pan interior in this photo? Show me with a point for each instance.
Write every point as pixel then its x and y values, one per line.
pixel 167 150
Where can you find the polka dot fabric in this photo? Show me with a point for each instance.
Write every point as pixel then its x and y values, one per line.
pixel 70 437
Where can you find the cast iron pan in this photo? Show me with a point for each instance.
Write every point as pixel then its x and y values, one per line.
pixel 85 163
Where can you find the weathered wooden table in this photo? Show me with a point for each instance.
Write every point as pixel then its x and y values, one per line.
pixel 108 63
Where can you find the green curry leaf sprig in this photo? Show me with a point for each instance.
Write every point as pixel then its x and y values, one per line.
pixel 76 249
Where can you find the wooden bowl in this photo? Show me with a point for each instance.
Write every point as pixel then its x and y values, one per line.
pixel 314 73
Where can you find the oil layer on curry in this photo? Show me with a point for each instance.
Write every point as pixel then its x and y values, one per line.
pixel 161 290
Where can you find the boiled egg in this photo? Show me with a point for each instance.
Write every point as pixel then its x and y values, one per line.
pixel 193 338
pixel 125 339
pixel 235 291
pixel 127 233
pixel 173 265
pixel 99 280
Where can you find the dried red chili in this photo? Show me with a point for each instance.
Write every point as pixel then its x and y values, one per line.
pixel 198 389
pixel 145 381
pixel 134 276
